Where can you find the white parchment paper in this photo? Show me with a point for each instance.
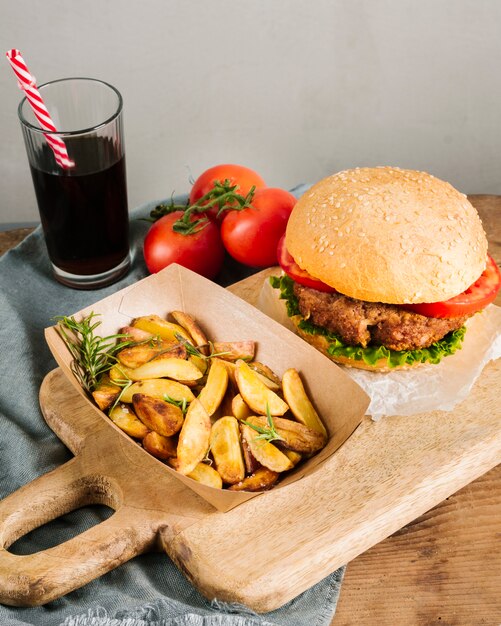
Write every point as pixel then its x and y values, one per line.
pixel 427 387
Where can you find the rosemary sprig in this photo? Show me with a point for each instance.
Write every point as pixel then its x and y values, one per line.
pixel 192 351
pixel 223 196
pixel 266 434
pixel 182 404
pixel 92 355
pixel 124 383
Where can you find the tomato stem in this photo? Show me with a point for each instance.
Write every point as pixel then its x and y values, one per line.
pixel 223 195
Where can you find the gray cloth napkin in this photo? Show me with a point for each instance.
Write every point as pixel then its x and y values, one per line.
pixel 148 590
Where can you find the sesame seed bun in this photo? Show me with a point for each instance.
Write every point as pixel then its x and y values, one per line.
pixel 388 235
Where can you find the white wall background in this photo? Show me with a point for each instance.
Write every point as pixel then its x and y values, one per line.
pixel 296 89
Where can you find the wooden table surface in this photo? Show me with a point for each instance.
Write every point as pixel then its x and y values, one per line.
pixel 444 568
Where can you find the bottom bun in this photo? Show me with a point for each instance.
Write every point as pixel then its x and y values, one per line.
pixel 320 343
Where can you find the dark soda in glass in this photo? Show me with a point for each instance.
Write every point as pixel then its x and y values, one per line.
pixel 83 208
pixel 84 218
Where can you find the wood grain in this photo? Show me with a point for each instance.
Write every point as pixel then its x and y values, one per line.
pixel 445 567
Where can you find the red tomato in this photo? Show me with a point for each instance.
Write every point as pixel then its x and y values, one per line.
pixel 251 235
pixel 477 297
pixel 239 175
pixel 202 252
pixel 292 269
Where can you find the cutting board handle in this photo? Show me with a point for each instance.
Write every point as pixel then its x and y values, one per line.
pixel 35 579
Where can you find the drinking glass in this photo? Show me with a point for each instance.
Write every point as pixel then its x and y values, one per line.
pixel 83 209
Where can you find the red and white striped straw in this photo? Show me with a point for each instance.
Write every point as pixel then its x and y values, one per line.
pixel 28 84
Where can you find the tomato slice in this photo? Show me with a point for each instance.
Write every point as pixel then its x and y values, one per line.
pixel 292 269
pixel 477 297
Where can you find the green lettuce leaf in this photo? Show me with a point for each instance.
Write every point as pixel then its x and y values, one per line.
pixel 371 354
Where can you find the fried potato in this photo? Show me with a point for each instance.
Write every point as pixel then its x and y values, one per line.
pixel 163 417
pixel 234 350
pixel 190 324
pixel 134 334
pixel 267 375
pixel 265 452
pixel 299 403
pixel 231 369
pixel 295 436
pixel 134 356
pixel 225 447
pixel 261 480
pixel 156 325
pixel 105 393
pixel 159 388
pixel 200 363
pixel 250 461
pixel 225 406
pixel 206 475
pixel 159 446
pixel 256 394
pixel 162 366
pixel 239 409
pixel 125 418
pixel 294 457
pixel 194 438
pixel 212 394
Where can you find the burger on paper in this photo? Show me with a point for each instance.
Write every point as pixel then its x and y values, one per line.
pixel 383 267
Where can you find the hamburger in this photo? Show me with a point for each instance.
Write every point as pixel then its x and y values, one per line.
pixel 383 266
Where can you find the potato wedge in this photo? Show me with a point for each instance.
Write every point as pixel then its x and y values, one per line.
pixel 250 461
pixel 225 406
pixel 212 394
pixel 137 355
pixel 295 436
pixel 199 362
pixel 206 475
pixel 239 409
pixel 261 480
pixel 231 369
pixel 234 350
pixel 159 446
pixel 134 334
pixel 119 373
pixel 267 372
pixel 299 403
pixel 161 367
pixel 159 388
pixel 125 418
pixel 256 394
pixel 265 452
pixel 189 323
pixel 294 457
pixel 156 325
pixel 105 393
pixel 163 417
pixel 194 438
pixel 225 448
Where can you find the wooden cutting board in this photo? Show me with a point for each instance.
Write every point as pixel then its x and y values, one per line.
pixel 264 552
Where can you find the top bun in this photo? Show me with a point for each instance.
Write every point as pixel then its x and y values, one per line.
pixel 388 235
